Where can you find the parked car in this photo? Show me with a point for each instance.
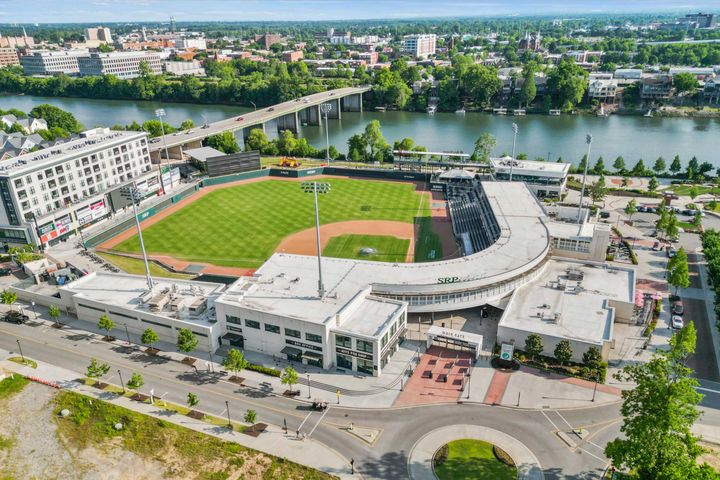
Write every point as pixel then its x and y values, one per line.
pixel 678 308
pixel 5 271
pixel 671 252
pixel 153 140
pixel 656 247
pixel 676 321
pixel 642 208
pixel 604 214
pixel 240 119
pixel 651 209
pixel 15 317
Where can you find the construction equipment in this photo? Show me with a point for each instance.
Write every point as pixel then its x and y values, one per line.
pixel 289 162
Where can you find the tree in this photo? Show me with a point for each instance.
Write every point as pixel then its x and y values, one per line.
pixel 106 324
pixel 693 192
pixel 250 416
pixel 225 142
pixel 257 140
pixel 484 146
pixel 685 82
pixel 672 228
pixel 592 358
pixel 598 190
pixel 678 274
pixel 697 220
pixel 659 166
pixel 639 169
pixel 675 165
pixel 533 345
pixel 135 382
pixel 144 69
pixel 56 117
pixel 529 88
pixel 567 83
pixel 631 208
pixel 235 361
pixel 149 337
pixel 599 168
pixel 289 377
pixel 563 352
pixel 186 340
pixel 625 181
pixel 658 415
pixel 619 165
pixel 652 184
pixel 192 400
pixel 375 141
pixel 480 83
pixel 54 313
pixel 187 124
pixel 8 298
pixel 357 148
pixel 97 370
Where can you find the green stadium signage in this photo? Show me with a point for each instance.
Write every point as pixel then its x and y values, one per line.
pixel 448 279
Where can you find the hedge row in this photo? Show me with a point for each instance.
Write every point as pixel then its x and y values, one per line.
pixel 266 370
pixel 711 248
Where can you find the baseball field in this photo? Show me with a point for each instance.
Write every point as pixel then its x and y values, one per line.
pixel 242 225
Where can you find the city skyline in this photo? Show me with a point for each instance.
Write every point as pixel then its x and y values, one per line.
pixel 49 11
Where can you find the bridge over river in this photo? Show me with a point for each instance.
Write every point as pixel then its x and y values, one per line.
pixel 283 116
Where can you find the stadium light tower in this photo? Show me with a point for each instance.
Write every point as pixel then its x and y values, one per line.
pixel 132 193
pixel 160 113
pixel 512 162
pixel 588 140
pixel 315 188
pixel 325 109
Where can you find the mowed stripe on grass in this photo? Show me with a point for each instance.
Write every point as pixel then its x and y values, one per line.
pixel 387 248
pixel 241 226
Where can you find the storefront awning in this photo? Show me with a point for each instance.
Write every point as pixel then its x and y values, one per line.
pixel 232 337
pixel 291 351
pixel 312 356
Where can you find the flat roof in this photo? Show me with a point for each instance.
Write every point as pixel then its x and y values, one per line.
pixel 530 166
pixel 124 290
pixel 92 140
pixel 556 305
pixel 203 153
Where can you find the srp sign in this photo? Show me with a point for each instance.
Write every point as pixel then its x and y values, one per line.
pixel 448 279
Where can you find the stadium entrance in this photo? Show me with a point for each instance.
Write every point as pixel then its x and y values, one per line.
pixel 448 338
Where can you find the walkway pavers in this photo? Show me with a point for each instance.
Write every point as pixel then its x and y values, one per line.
pixel 420 461
pixel 438 378
pixel 498 384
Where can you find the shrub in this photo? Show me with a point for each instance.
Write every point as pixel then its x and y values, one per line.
pixel 502 456
pixel 265 370
pixel 441 455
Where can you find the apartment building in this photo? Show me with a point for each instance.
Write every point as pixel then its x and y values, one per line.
pixel 17 42
pixel 657 87
pixel 293 56
pixel 101 34
pixel 370 58
pixel 45 192
pixel 419 45
pixel 188 43
pixel 602 87
pixel 51 63
pixel 123 65
pixel 8 56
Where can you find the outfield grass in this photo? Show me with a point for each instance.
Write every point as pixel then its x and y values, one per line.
pixel 473 460
pixel 241 226
pixel 135 266
pixel 428 245
pixel 387 248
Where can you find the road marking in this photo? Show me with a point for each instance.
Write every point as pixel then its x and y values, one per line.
pixel 319 420
pixel 593 455
pixel 707 389
pixel 566 422
pixel 594 444
pixel 304 420
pixel 548 419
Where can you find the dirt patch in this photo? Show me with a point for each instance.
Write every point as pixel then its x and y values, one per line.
pixel 305 243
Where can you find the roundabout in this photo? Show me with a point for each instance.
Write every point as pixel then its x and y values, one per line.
pixel 421 459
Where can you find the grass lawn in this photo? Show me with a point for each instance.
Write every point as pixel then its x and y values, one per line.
pixel 241 226
pixel 136 266
pixel 10 386
pixel 388 249
pixel 189 454
pixel 473 460
pixel 684 190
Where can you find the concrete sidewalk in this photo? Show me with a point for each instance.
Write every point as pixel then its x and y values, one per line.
pixel 273 441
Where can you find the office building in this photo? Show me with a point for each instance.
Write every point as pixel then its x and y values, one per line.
pixel 193 67
pixel 98 34
pixel 419 45
pixel 51 63
pixel 544 179
pixel 191 43
pixel 292 56
pixel 699 20
pixel 56 187
pixel 17 42
pixel 123 65
pixel 8 56
pixel 267 40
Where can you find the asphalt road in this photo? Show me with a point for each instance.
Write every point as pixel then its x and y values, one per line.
pixel 401 427
pixel 249 119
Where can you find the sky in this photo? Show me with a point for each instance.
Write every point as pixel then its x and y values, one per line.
pixel 94 11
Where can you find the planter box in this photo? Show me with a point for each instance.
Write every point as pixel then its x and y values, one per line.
pixel 236 380
pixel 108 338
pixel 196 415
pixel 152 351
pixel 255 430
pixel 189 360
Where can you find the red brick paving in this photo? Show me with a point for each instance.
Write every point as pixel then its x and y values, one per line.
pixel 497 387
pixel 419 390
pixel 591 385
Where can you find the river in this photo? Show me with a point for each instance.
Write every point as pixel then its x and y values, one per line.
pixel 633 137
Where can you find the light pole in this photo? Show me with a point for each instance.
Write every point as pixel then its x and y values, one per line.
pixel 588 140
pixel 227 409
pixel 253 104
pixel 212 369
pixel 127 334
pixel 132 193
pixel 325 109
pixel 595 388
pixel 160 113
pixel 512 162
pixel 315 188
pixel 21 352
pixel 122 384
pixel 467 386
pixel 32 305
pixel 308 379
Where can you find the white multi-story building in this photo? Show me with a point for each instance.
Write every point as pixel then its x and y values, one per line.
pixel 186 43
pixel 544 179
pixel 45 192
pixel 419 45
pixel 50 63
pixel 98 33
pixel 123 65
pixel 184 68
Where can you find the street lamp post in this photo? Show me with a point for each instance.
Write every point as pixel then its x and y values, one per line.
pixel 134 195
pixel 122 384
pixel 32 305
pixel 512 162
pixel 595 388
pixel 227 409
pixel 21 352
pixel 253 104
pixel 325 109
pixel 588 140
pixel 127 333
pixel 467 386
pixel 308 379
pixel 212 369
pixel 315 188
pixel 160 113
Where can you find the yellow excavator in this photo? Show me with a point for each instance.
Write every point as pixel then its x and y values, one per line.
pixel 289 162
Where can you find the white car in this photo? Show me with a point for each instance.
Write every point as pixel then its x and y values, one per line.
pixel 677 321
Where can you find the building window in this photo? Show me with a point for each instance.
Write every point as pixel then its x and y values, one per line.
pixel 343 341
pixel 252 324
pixel 364 346
pixel 365 366
pixel 311 337
pixel 272 328
pixel 232 319
pixel 344 361
pixel 289 332
pixel 385 339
